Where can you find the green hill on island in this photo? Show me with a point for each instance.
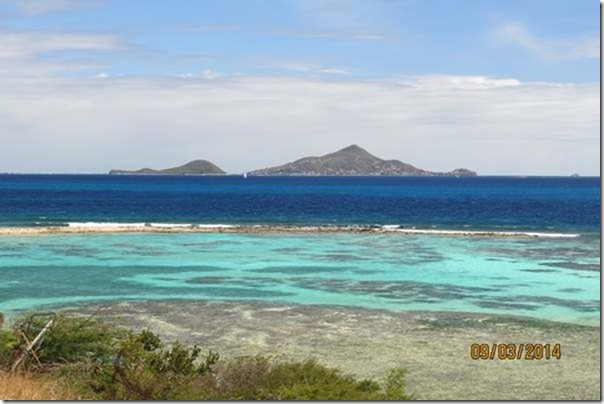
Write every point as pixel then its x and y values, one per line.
pixel 195 167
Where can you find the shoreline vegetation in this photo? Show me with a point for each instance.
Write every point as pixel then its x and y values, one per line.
pixel 432 347
pixel 339 348
pixel 102 227
pixel 81 357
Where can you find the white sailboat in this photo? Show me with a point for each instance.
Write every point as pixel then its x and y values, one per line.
pixel 244 175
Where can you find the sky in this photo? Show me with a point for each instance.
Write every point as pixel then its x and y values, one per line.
pixel 500 87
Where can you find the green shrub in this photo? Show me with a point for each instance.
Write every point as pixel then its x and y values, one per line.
pixel 243 378
pixel 394 387
pixel 145 369
pixel 8 344
pixel 311 381
pixel 103 362
pixel 70 340
pixel 259 378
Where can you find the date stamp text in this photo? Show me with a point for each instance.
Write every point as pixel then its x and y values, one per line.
pixel 511 351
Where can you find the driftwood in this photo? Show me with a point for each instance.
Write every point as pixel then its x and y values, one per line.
pixel 31 347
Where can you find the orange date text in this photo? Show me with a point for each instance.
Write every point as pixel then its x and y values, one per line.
pixel 511 351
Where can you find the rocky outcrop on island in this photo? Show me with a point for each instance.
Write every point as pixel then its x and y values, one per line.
pixel 354 160
pixel 195 167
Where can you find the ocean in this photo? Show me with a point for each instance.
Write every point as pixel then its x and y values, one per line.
pixel 552 278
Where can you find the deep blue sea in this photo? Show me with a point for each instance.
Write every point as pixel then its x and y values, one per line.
pixel 555 278
pixel 537 203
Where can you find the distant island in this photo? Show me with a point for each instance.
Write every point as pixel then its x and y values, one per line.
pixel 349 161
pixel 353 160
pixel 195 167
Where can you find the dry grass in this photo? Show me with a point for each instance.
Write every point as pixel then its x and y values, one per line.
pixel 33 387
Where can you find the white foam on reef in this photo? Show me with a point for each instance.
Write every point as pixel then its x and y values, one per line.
pixel 189 225
pixel 214 226
pixel 111 227
pixel 551 235
pixel 92 225
pixel 485 233
pixel 170 225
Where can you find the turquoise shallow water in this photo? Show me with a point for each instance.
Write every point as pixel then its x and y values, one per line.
pixel 555 279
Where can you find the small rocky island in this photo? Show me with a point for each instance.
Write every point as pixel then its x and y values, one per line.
pixel 349 161
pixel 354 160
pixel 195 167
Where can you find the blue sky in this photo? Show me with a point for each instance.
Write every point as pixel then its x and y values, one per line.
pixel 453 57
pixel 529 40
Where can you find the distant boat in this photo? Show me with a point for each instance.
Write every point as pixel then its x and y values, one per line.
pixel 244 175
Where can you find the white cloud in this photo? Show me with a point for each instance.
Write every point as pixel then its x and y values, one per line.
pixel 492 125
pixel 24 45
pixel 208 74
pixel 519 35
pixel 21 53
pixel 313 68
pixel 442 82
pixel 334 70
pixel 589 48
pixel 36 7
pixel 349 18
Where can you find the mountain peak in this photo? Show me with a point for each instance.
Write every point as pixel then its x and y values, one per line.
pixel 353 148
pixel 351 160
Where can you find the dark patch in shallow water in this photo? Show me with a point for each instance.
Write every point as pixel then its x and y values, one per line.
pixel 570 290
pixel 204 280
pixel 164 279
pixel 397 290
pixel 411 262
pixel 539 253
pixel 11 255
pixel 300 269
pixel 211 244
pixel 239 293
pixel 137 249
pixel 584 306
pixel 342 257
pixel 573 265
pixel 366 271
pixel 253 282
pixel 539 270
pixel 288 250
pixel 490 304
pixel 76 251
